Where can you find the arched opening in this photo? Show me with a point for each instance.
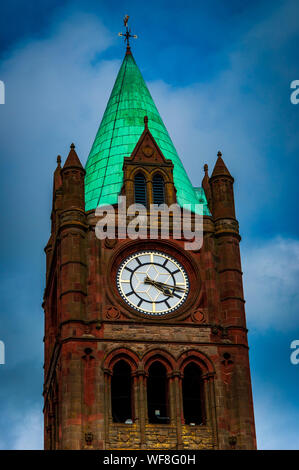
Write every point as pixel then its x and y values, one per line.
pixel 157 394
pixel 158 189
pixel 121 398
pixel 193 396
pixel 140 189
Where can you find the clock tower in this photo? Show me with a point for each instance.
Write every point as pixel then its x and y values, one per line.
pixel 145 340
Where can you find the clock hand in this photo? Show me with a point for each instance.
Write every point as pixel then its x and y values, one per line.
pixel 159 286
pixel 162 284
pixel 172 287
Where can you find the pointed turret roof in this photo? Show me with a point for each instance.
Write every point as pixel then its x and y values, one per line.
pixel 220 168
pixel 57 175
pixel 205 180
pixel 72 159
pixel 119 131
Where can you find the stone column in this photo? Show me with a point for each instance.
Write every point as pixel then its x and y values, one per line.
pixel 142 406
pixel 210 406
pixel 107 406
pixel 177 382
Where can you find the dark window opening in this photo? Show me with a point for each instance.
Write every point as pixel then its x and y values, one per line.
pixel 140 189
pixel 158 189
pixel 121 392
pixel 193 401
pixel 157 394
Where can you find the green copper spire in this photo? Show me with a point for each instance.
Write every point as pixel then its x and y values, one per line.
pixel 119 131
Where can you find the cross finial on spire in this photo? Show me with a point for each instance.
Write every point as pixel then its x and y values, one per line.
pixel 127 35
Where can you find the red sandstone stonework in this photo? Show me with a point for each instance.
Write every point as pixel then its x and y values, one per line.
pixel 88 327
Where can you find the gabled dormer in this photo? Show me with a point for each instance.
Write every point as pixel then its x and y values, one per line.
pixel 148 175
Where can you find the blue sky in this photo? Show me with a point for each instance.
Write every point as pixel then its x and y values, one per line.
pixel 220 75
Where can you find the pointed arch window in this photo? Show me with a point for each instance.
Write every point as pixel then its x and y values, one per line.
pixel 193 395
pixel 158 189
pixel 121 397
pixel 157 394
pixel 140 189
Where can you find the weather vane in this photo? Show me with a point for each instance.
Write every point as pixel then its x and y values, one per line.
pixel 127 35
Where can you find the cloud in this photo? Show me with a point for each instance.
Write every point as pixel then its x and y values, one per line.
pixel 271 279
pixel 58 86
pixel 27 430
pixel 244 110
pixel 276 422
pixel 56 90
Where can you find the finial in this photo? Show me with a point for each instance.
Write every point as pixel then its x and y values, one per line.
pixel 72 146
pixel 58 160
pixel 146 122
pixel 206 168
pixel 127 35
pixel 126 19
pixel 219 154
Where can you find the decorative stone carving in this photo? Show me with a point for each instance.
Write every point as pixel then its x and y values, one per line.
pixel 110 243
pixel 198 316
pixel 232 440
pixel 148 150
pixel 124 437
pixel 227 360
pixel 111 312
pixel 227 368
pixel 88 438
pixel 161 438
pixel 196 440
pixel 215 330
pixel 88 356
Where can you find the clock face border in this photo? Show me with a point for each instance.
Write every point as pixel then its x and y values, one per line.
pixel 189 260
pixel 167 257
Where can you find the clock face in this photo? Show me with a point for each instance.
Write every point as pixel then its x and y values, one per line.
pixel 152 282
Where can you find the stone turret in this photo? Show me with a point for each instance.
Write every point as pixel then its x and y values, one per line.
pixel 72 175
pixel 206 186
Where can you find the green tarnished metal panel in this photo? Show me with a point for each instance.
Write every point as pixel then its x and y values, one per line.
pixel 201 196
pixel 119 131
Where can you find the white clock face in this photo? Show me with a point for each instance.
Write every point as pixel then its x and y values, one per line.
pixel 152 282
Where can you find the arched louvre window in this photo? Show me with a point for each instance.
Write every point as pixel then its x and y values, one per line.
pixel 140 189
pixel 193 396
pixel 121 398
pixel 157 394
pixel 158 189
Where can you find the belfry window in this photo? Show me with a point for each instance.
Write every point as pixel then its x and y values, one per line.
pixel 157 394
pixel 121 392
pixel 158 189
pixel 193 400
pixel 140 189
